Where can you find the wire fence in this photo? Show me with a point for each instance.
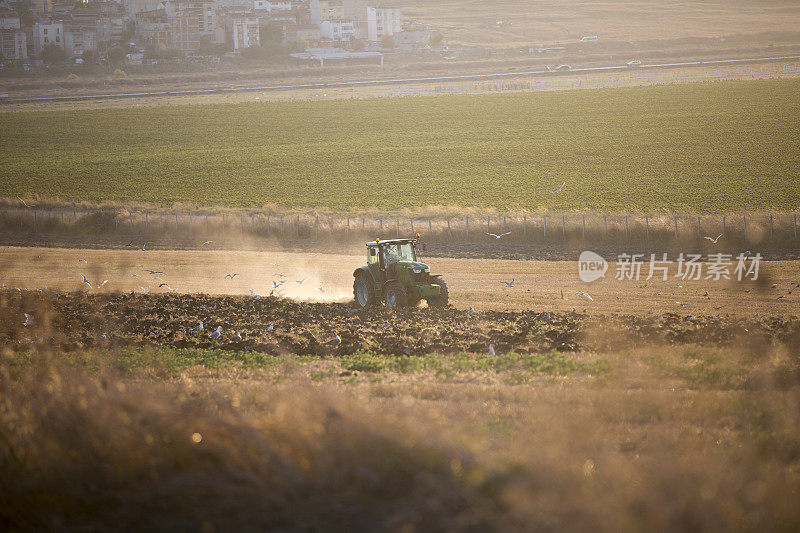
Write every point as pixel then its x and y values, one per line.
pixel 774 228
pixel 574 80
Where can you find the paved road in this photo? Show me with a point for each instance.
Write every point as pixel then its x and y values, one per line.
pixel 383 81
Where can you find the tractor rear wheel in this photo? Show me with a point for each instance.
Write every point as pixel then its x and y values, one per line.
pixel 363 291
pixel 444 296
pixel 395 295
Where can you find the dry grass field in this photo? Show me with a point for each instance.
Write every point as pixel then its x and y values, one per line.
pixel 538 285
pixel 522 22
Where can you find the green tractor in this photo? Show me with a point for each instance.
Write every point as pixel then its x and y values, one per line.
pixel 394 276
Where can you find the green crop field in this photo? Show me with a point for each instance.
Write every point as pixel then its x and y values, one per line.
pixel 707 147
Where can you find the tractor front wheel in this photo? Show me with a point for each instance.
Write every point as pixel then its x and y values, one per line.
pixel 363 291
pixel 444 296
pixel 395 295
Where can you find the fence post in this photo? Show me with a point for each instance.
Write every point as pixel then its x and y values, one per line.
pixel 190 224
pixel 524 225
pixel 563 225
pixel 380 223
pixel 348 227
pixel 488 219
pixel 744 227
pixel 430 227
pixel 449 232
pixel 398 225
pixel 544 226
pixel 723 225
pixel 297 225
pixel 130 217
pixel 583 226
pixel 676 227
pixel 281 225
pixel 330 226
pixel 770 227
pixel 316 226
pixel 505 226
pixel 34 220
pixel 176 221
pixel 646 228
pixel 412 225
pixel 626 227
pixel 223 223
pixel 794 225
pixel 146 220
pixel 467 227
pixel 698 227
pixel 268 224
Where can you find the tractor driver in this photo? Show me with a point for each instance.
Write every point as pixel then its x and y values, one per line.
pixel 391 255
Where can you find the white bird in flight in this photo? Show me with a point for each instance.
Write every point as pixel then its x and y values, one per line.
pixel 560 188
pixel 101 283
pixel 509 283
pixel 230 276
pixel 206 243
pixel 144 247
pixel 320 289
pixel 216 333
pixel 496 236
pixel 23 201
pixel 581 293
pixel 714 240
pixel 86 281
pixel 300 282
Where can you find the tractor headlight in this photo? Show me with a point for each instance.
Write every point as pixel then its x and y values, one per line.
pixel 417 271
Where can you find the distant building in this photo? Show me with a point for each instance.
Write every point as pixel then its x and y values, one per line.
pixel 271 6
pixel 338 31
pixel 243 32
pixel 9 20
pixel 79 38
pixel 178 29
pixel 45 33
pixel 308 33
pixel 13 45
pixel 322 10
pixel 383 21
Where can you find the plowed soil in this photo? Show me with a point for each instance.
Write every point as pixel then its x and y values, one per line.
pixel 277 326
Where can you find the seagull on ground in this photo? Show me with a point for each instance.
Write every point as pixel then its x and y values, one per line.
pixel 206 243
pixel 237 336
pixel 714 240
pixel 560 188
pixel 101 283
pixel 28 320
pixel 198 327
pixel 581 293
pixel 471 310
pixel 153 272
pixel 82 261
pixel 491 350
pixel 253 294
pixel 270 327
pixel 216 333
pixel 509 283
pixel 144 247
pixel 277 264
pixel 334 342
pixel 496 236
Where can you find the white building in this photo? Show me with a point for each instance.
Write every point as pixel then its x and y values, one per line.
pixel 337 30
pixel 9 20
pixel 45 33
pixel 244 32
pixel 383 21
pixel 271 6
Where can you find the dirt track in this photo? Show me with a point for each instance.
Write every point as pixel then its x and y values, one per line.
pixel 72 320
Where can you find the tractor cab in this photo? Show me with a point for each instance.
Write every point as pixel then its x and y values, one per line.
pixel 395 276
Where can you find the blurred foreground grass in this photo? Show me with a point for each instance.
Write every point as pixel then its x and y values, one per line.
pixel 665 438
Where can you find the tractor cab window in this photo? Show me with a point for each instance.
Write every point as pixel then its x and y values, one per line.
pixel 392 253
pixel 372 255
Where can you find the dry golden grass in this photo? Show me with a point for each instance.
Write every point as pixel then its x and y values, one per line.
pixel 478 282
pixel 523 22
pixel 687 438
